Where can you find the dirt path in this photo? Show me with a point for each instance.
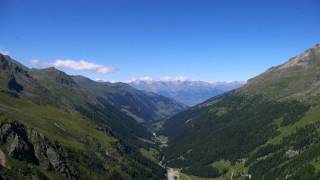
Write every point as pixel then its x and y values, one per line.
pixel 173 174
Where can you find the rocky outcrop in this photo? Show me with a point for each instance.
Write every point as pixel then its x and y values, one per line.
pixel 3 159
pixel 19 147
pixel 28 145
pixel 14 85
pixel 22 150
pixel 50 154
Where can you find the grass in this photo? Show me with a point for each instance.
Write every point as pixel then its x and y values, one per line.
pixel 190 177
pixel 310 117
pixel 157 126
pixel 236 170
pixel 70 129
pixel 221 165
pixel 219 111
pixel 163 141
pixel 316 164
pixel 229 170
pixel 66 127
pixel 150 154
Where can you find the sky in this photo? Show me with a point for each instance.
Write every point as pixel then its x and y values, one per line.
pixel 118 40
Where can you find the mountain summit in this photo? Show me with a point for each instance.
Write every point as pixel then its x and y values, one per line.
pixel 303 59
pixel 297 78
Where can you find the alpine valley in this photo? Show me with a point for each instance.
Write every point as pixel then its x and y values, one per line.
pixel 57 126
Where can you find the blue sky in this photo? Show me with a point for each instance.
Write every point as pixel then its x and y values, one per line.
pixel 211 40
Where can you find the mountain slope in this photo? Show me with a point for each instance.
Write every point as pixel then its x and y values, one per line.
pixel 187 92
pixel 142 106
pixel 268 129
pixel 71 96
pixel 51 128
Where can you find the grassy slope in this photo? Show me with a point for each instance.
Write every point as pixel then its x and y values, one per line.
pixel 142 106
pixel 66 127
pixel 310 117
pixel 70 129
pixel 72 117
pixel 281 126
pixel 56 124
pixel 240 169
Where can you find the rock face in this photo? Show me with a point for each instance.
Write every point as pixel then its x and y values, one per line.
pixel 25 144
pixel 303 59
pixel 14 85
pixel 22 150
pixel 50 154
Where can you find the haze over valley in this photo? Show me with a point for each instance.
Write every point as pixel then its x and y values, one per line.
pixel 189 92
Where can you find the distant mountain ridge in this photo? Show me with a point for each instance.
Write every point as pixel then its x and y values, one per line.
pixel 186 91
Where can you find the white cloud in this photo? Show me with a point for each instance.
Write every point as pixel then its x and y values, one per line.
pixel 75 65
pixel 83 66
pixel 5 52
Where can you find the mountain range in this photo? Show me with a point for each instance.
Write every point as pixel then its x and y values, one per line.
pixel 57 126
pixel 186 91
pixel 267 129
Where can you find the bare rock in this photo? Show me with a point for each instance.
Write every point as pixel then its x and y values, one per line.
pixel 3 159
pixel 22 150
pixel 28 145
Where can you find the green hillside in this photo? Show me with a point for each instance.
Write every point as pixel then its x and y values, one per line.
pixel 53 128
pixel 141 106
pixel 269 128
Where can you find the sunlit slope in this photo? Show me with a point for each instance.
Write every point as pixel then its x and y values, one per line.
pixel 269 127
pixel 53 130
